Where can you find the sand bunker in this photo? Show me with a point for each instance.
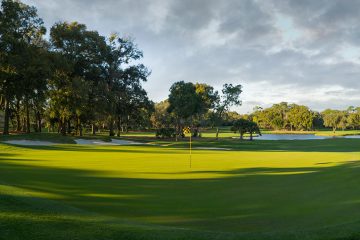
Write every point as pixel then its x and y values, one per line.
pixel 114 142
pixel 30 143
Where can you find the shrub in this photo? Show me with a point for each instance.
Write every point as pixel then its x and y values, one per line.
pixel 165 133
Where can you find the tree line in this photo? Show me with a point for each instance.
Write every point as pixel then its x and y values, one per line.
pixel 76 78
pixel 209 111
pixel 284 116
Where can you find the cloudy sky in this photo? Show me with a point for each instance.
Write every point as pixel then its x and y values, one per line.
pixel 304 52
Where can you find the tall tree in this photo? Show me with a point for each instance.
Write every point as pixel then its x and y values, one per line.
pixel 230 97
pixel 20 28
pixel 332 118
pixel 183 103
pixel 84 53
pixel 300 117
pixel 208 98
pixel 123 79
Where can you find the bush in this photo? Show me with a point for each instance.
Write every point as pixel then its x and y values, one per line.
pixel 165 133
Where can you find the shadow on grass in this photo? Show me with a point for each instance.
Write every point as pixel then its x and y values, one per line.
pixel 251 201
pixel 326 145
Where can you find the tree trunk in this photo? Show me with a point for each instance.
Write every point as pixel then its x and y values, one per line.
pixel 68 122
pixel 23 126
pixel 111 128
pixel 118 123
pixel 93 130
pixel 177 132
pixel 79 127
pixel 36 122
pixel 62 127
pixel 217 133
pixel 241 135
pixel 7 118
pixel 18 118
pixel 39 121
pixel 251 136
pixel 27 117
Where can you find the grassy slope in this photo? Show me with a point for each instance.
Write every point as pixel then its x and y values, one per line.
pixel 269 190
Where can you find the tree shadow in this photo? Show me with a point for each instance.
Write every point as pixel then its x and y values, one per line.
pixel 324 145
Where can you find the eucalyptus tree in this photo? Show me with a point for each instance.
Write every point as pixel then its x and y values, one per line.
pixel 123 79
pixel 83 52
pixel 208 98
pixel 20 30
pixel 230 97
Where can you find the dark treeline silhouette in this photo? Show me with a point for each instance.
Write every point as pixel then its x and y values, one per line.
pixel 77 78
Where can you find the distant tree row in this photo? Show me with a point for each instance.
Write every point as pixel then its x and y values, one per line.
pixel 284 116
pixel 76 79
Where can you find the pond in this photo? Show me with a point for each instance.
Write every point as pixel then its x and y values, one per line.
pixel 298 137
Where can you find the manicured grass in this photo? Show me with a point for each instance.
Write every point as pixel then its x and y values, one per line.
pixel 338 133
pixel 256 190
pixel 226 133
pixel 324 132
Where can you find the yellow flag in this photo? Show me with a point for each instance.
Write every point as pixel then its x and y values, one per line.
pixel 186 130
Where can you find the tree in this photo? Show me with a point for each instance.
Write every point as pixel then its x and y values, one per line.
pixel 246 126
pixel 318 121
pixel 83 52
pixel 253 128
pixel 332 118
pixel 240 126
pixel 124 92
pixel 208 98
pixel 300 117
pixel 353 119
pixel 230 97
pixel 183 103
pixel 20 29
pixel 161 118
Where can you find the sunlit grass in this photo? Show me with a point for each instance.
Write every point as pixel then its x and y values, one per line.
pixel 263 189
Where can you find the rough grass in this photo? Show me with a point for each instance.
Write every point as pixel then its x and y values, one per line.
pixel 257 190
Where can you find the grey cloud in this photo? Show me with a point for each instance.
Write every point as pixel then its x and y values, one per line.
pixel 230 41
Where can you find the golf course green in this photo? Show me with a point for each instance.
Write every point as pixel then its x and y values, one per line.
pixel 241 190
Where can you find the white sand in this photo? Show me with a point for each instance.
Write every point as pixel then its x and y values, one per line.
pixel 114 142
pixel 30 143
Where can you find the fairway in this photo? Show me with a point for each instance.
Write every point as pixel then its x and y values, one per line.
pixel 258 190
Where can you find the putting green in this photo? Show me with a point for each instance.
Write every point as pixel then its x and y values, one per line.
pixel 258 190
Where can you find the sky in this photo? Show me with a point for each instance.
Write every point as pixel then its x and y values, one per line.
pixel 305 52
